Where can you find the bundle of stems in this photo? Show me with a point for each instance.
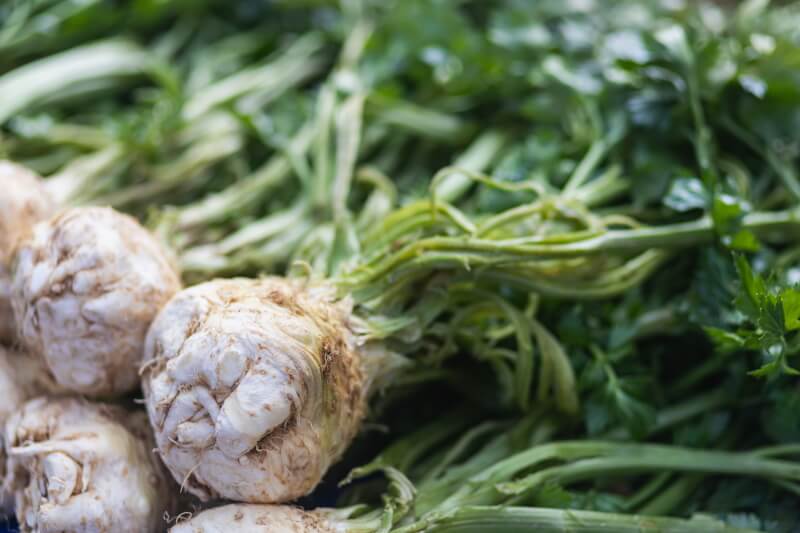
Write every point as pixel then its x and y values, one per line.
pixel 507 473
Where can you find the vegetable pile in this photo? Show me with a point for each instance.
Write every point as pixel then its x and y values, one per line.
pixel 400 266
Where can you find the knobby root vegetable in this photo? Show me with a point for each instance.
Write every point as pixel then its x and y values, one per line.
pixel 24 200
pixel 255 518
pixel 21 378
pixel 86 285
pixel 79 467
pixel 254 387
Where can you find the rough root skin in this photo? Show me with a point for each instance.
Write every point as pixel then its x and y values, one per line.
pixel 24 201
pixel 86 285
pixel 21 378
pixel 254 387
pixel 255 518
pixel 74 467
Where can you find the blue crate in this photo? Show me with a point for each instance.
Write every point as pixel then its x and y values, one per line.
pixel 8 525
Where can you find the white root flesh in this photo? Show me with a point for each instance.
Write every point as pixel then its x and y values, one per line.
pixel 21 378
pixel 73 466
pixel 254 518
pixel 24 201
pixel 86 285
pixel 253 387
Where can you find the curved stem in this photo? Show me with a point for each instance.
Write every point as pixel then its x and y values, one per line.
pixel 479 519
pixel 673 495
pixel 601 460
pixel 247 191
pixel 73 183
pixel 469 252
pixel 86 65
pixel 477 157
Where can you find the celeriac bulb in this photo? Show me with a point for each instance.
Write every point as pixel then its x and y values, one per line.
pixel 253 387
pixel 84 467
pixel 86 285
pixel 24 201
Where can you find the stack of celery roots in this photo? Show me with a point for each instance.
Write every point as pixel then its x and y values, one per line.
pixel 399 266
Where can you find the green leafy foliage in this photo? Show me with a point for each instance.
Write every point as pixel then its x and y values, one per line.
pixel 770 324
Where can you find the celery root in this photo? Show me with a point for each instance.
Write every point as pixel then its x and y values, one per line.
pixel 254 387
pixel 23 202
pixel 76 466
pixel 86 285
pixel 261 519
pixel 21 378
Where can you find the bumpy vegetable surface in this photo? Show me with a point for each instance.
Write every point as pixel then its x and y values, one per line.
pixel 23 202
pixel 254 387
pixel 21 378
pixel 87 284
pixel 76 466
pixel 260 519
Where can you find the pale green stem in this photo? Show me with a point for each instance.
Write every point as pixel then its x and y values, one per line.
pixel 291 67
pixel 72 183
pixel 497 519
pixel 477 157
pixel 55 75
pixel 243 193
pixel 471 253
pixel 176 174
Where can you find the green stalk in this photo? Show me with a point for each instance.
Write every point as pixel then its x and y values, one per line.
pixel 784 169
pixel 380 201
pixel 700 372
pixel 597 151
pixel 404 453
pixel 669 498
pixel 598 459
pixel 606 187
pixel 416 216
pixel 476 158
pixel 481 519
pixel 78 135
pixel 214 136
pixel 534 429
pixel 471 253
pixel 242 194
pixel 586 460
pixel 291 67
pixel 199 264
pixel 250 244
pixel 460 447
pixel 349 125
pixel 681 412
pixel 416 119
pixel 30 23
pixel 240 247
pixel 67 72
pixel 778 450
pixel 346 121
pixel 583 171
pixel 650 489
pixel 47 26
pixel 703 142
pixel 199 258
pixel 73 183
pixel 319 188
pixel 613 282
pixel 188 167
pixel 444 484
